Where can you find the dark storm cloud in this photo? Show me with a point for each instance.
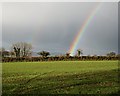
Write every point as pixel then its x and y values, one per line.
pixel 103 30
pixel 53 26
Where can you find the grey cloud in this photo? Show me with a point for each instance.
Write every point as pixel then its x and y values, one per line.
pixel 53 26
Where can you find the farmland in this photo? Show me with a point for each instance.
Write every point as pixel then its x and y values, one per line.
pixel 60 77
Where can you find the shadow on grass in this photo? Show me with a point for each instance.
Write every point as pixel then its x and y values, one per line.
pixel 105 82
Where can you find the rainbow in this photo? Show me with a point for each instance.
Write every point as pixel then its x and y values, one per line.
pixel 84 26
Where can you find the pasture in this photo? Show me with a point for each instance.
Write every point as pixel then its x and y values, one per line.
pixel 60 77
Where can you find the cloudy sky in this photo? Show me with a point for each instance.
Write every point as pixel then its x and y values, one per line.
pixel 53 26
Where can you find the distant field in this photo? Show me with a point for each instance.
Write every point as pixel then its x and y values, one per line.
pixel 60 77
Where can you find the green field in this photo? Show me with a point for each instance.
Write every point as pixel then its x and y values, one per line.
pixel 60 77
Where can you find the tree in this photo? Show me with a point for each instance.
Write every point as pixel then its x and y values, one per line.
pixel 67 54
pixel 79 52
pixel 111 54
pixel 12 53
pixel 17 51
pixel 22 49
pixel 44 54
pixel 4 52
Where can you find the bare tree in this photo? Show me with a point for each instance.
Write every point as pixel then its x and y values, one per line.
pixel 22 49
pixel 79 52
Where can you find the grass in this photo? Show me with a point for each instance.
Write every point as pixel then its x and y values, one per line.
pixel 60 77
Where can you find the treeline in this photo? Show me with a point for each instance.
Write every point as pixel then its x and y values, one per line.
pixel 58 58
pixel 22 51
